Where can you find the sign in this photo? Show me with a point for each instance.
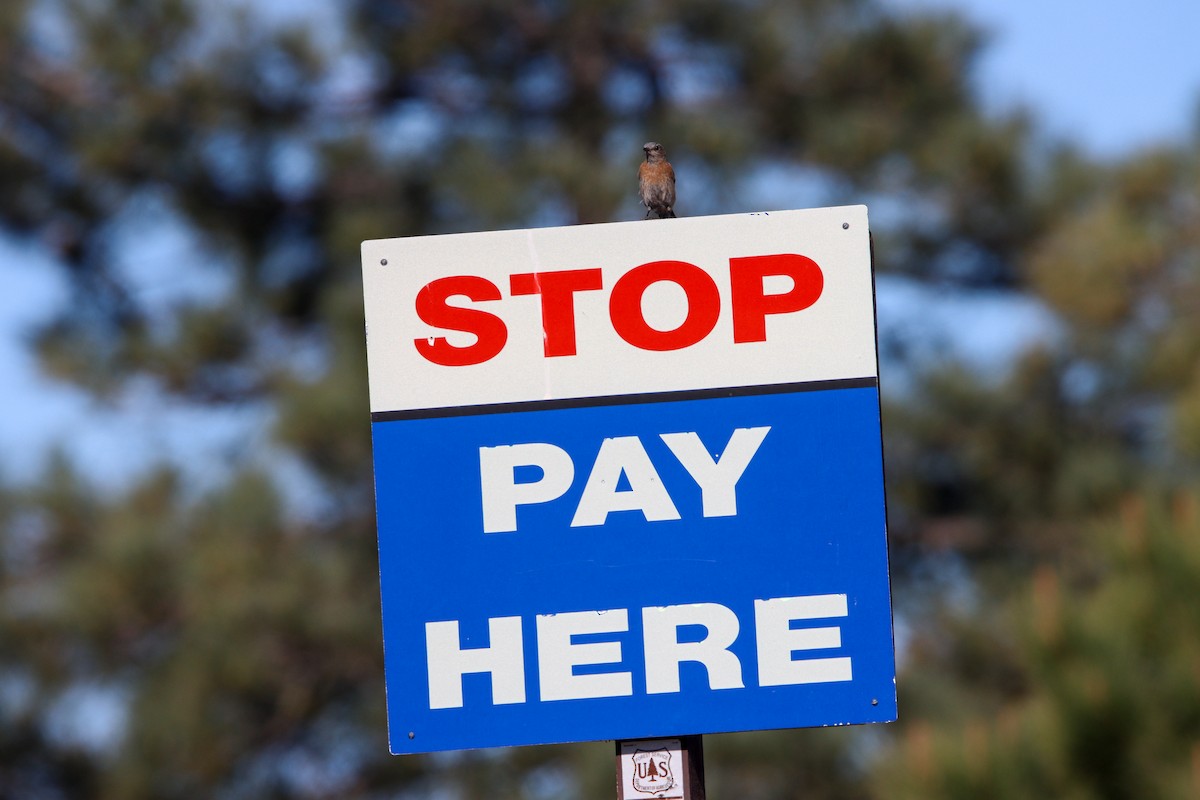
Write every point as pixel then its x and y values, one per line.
pixel 629 480
pixel 652 769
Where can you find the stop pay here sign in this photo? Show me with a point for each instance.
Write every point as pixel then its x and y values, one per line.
pixel 629 480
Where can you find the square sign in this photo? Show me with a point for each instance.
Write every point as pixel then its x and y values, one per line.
pixel 629 480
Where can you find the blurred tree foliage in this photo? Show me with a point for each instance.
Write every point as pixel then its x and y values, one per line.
pixel 235 642
pixel 1102 693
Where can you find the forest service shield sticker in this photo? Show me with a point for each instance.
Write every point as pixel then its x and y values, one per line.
pixel 651 769
pixel 652 772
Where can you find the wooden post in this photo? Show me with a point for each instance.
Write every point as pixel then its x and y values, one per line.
pixel 660 769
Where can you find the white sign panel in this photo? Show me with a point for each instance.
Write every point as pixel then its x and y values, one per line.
pixel 622 308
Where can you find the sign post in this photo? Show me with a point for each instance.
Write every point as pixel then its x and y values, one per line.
pixel 629 484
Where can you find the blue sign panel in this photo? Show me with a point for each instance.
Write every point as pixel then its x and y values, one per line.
pixel 631 567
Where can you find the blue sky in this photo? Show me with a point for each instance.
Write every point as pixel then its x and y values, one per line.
pixel 1114 76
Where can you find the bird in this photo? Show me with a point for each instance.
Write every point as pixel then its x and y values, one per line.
pixel 656 182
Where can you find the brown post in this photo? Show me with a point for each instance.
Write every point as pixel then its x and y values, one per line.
pixel 671 768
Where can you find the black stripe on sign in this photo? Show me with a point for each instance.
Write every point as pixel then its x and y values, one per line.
pixel 624 399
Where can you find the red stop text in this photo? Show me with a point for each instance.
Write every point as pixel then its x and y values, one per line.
pixel 440 304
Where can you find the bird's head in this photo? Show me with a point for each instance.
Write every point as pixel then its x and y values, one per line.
pixel 654 151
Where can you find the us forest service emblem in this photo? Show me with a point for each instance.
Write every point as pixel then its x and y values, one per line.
pixel 651 769
pixel 652 772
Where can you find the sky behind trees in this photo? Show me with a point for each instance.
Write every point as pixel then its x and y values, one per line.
pixel 1113 77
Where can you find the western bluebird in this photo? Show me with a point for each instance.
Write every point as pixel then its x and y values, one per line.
pixel 656 182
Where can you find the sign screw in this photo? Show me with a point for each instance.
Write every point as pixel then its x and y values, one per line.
pixel 412 735
pixel 874 702
pixel 845 226
pixel 383 262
